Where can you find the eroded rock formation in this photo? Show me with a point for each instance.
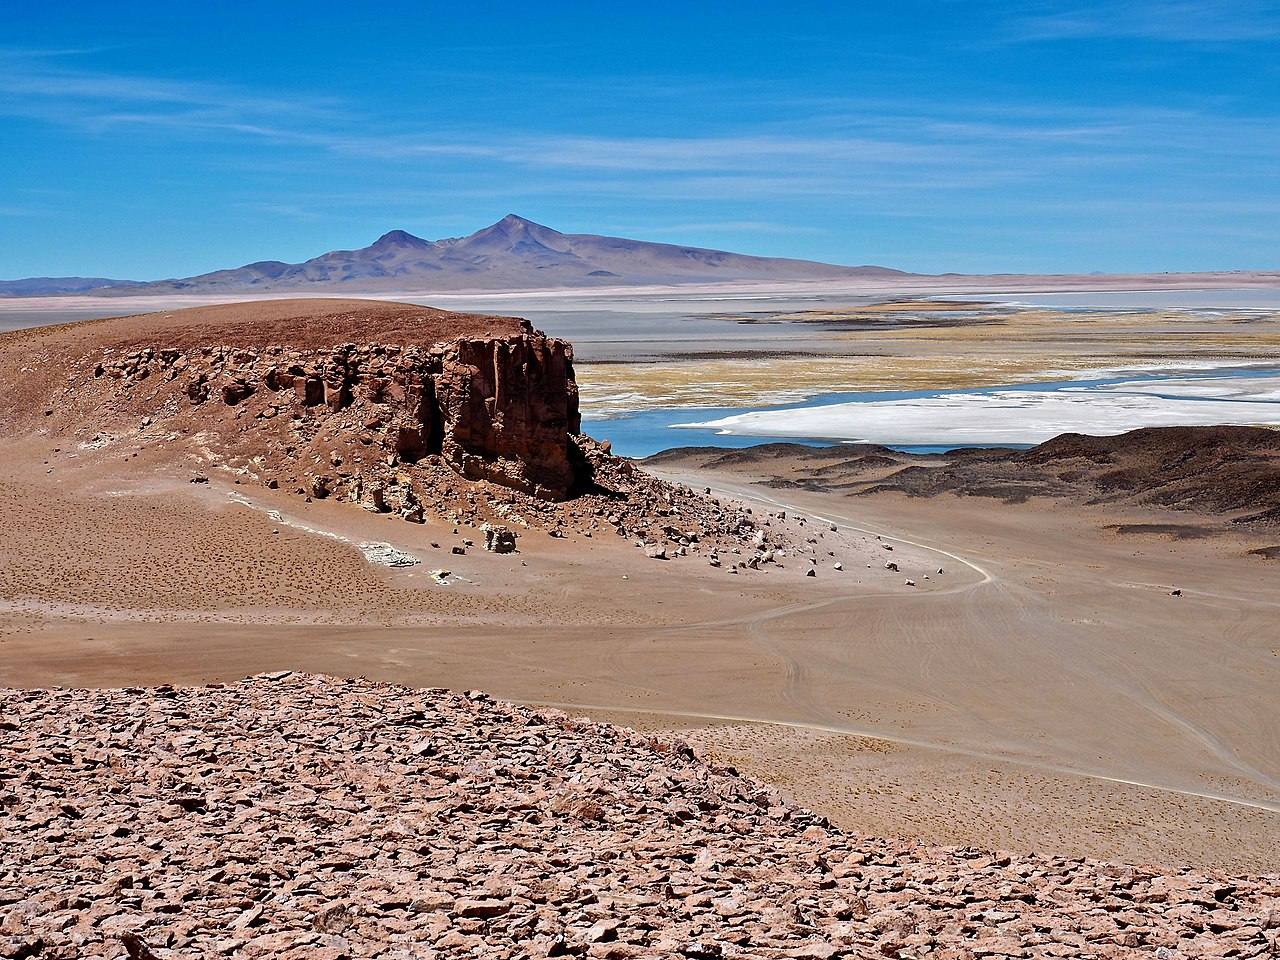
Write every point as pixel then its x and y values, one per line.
pixel 507 408
pixel 401 409
pixel 501 409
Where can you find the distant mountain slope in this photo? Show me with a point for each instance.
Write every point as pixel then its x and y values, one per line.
pixel 48 286
pixel 513 253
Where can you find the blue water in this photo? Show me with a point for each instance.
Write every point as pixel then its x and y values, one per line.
pixel 643 433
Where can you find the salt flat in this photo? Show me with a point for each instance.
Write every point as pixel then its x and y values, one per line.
pixel 1022 416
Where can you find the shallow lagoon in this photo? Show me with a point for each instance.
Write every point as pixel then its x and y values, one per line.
pixel 936 420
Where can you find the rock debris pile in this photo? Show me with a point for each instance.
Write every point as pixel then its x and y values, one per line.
pixel 299 816
pixel 400 431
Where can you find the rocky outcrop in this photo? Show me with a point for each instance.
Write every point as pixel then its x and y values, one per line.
pixel 430 416
pixel 496 408
pixel 467 431
pixel 308 817
pixel 506 409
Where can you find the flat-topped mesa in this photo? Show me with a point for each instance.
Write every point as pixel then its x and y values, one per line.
pixel 400 409
pixel 332 395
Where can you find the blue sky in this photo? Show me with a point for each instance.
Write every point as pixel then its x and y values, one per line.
pixel 149 140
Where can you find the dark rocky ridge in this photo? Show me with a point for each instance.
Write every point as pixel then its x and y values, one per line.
pixel 1229 471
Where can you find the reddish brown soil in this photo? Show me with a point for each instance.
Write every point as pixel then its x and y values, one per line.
pixel 35 361
pixel 301 323
pixel 401 409
pixel 1043 692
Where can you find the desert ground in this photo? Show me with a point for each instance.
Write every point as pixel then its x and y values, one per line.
pixel 1037 687
pixel 1057 671
pixel 377 820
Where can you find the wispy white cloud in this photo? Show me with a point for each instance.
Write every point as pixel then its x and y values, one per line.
pixel 1195 21
pixel 896 157
pixel 9 211
pixel 289 211
pixel 40 80
pixel 717 226
pixel 649 153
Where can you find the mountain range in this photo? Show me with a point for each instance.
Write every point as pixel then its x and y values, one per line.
pixel 512 254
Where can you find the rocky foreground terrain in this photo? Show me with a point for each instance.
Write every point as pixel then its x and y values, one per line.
pixel 305 816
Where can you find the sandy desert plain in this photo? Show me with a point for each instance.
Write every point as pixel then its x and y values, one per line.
pixel 1039 686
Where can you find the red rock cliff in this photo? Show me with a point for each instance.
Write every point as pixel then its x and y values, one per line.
pixel 506 409
pixel 491 398
pixel 498 408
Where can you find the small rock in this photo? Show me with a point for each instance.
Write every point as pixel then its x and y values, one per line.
pixel 136 947
pixel 480 909
pixel 498 539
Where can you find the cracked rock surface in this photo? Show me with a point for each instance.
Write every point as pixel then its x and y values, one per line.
pixel 305 816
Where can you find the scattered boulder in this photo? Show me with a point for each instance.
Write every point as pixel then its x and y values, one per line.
pixel 235 391
pixel 498 539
